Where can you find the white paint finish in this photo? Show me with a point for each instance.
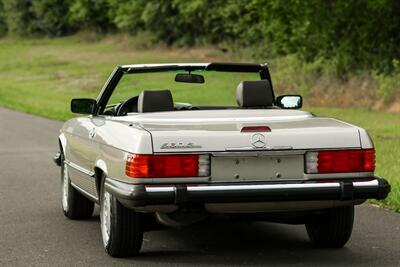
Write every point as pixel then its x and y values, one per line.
pixel 365 139
pixel 101 164
pixel 108 147
pixel 63 141
pixel 215 116
pixel 111 133
pixel 122 136
pixel 213 130
pixel 218 130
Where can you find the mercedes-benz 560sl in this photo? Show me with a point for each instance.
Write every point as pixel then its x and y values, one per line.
pixel 166 145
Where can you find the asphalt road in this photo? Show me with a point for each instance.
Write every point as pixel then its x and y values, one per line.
pixel 33 230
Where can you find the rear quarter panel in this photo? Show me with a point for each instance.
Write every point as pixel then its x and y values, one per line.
pixel 109 147
pixel 114 141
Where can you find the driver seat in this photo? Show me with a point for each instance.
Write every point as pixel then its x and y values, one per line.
pixel 155 101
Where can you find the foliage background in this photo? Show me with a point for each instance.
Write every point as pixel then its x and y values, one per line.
pixel 332 45
pixel 354 35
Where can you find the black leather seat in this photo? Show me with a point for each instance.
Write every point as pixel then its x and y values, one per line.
pixel 155 101
pixel 254 94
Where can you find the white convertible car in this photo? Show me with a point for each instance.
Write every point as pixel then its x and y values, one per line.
pixel 166 145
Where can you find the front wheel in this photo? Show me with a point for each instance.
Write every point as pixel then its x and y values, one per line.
pixel 121 228
pixel 75 206
pixel 332 227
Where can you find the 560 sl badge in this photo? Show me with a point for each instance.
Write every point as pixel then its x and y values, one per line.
pixel 179 145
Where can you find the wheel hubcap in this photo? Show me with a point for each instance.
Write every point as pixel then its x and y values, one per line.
pixel 105 217
pixel 65 188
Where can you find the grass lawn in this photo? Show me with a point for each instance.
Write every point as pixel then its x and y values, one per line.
pixel 41 77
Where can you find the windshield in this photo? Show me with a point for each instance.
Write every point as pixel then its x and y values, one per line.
pixel 219 88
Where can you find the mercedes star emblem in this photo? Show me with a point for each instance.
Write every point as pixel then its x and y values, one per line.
pixel 258 140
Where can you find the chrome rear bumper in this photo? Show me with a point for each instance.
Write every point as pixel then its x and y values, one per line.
pixel 136 195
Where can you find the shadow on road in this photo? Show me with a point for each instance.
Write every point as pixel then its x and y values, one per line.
pixel 236 243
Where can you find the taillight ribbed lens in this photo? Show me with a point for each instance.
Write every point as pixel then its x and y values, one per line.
pixel 340 161
pixel 161 166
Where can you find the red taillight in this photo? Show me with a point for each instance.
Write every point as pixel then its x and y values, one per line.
pixel 248 129
pixel 159 166
pixel 340 161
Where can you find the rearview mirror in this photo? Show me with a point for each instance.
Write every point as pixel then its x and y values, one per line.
pixel 83 105
pixel 189 78
pixel 289 101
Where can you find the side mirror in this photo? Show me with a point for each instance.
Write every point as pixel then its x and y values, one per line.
pixel 189 78
pixel 83 105
pixel 289 101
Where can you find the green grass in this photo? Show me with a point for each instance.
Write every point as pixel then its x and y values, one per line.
pixel 42 76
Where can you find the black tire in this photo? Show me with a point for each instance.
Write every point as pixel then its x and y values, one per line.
pixel 331 228
pixel 125 236
pixel 75 205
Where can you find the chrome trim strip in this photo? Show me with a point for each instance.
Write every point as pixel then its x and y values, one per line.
pixel 260 187
pixel 365 184
pixel 257 153
pixel 208 188
pixel 79 168
pixel 268 148
pixel 320 176
pixel 84 192
pixel 151 189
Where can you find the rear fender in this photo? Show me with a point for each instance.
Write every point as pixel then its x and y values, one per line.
pixel 62 142
pixel 100 167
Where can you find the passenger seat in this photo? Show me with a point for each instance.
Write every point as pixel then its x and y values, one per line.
pixel 254 94
pixel 155 101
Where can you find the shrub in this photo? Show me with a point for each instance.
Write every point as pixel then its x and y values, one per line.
pixel 51 16
pixel 90 15
pixel 19 17
pixel 355 36
pixel 389 85
pixel 3 24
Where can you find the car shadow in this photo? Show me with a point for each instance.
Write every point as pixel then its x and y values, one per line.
pixel 224 242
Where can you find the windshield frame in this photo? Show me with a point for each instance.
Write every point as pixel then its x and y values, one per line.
pixel 120 71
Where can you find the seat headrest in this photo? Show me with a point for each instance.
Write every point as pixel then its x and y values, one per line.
pixel 155 101
pixel 254 94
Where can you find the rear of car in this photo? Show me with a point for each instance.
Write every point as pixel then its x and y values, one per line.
pixel 157 162
pixel 253 156
pixel 279 165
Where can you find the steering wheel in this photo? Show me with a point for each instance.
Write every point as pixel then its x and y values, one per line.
pixel 127 106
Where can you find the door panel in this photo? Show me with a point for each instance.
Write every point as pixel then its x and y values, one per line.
pixel 82 154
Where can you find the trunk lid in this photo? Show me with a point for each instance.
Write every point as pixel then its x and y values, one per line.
pixel 220 130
